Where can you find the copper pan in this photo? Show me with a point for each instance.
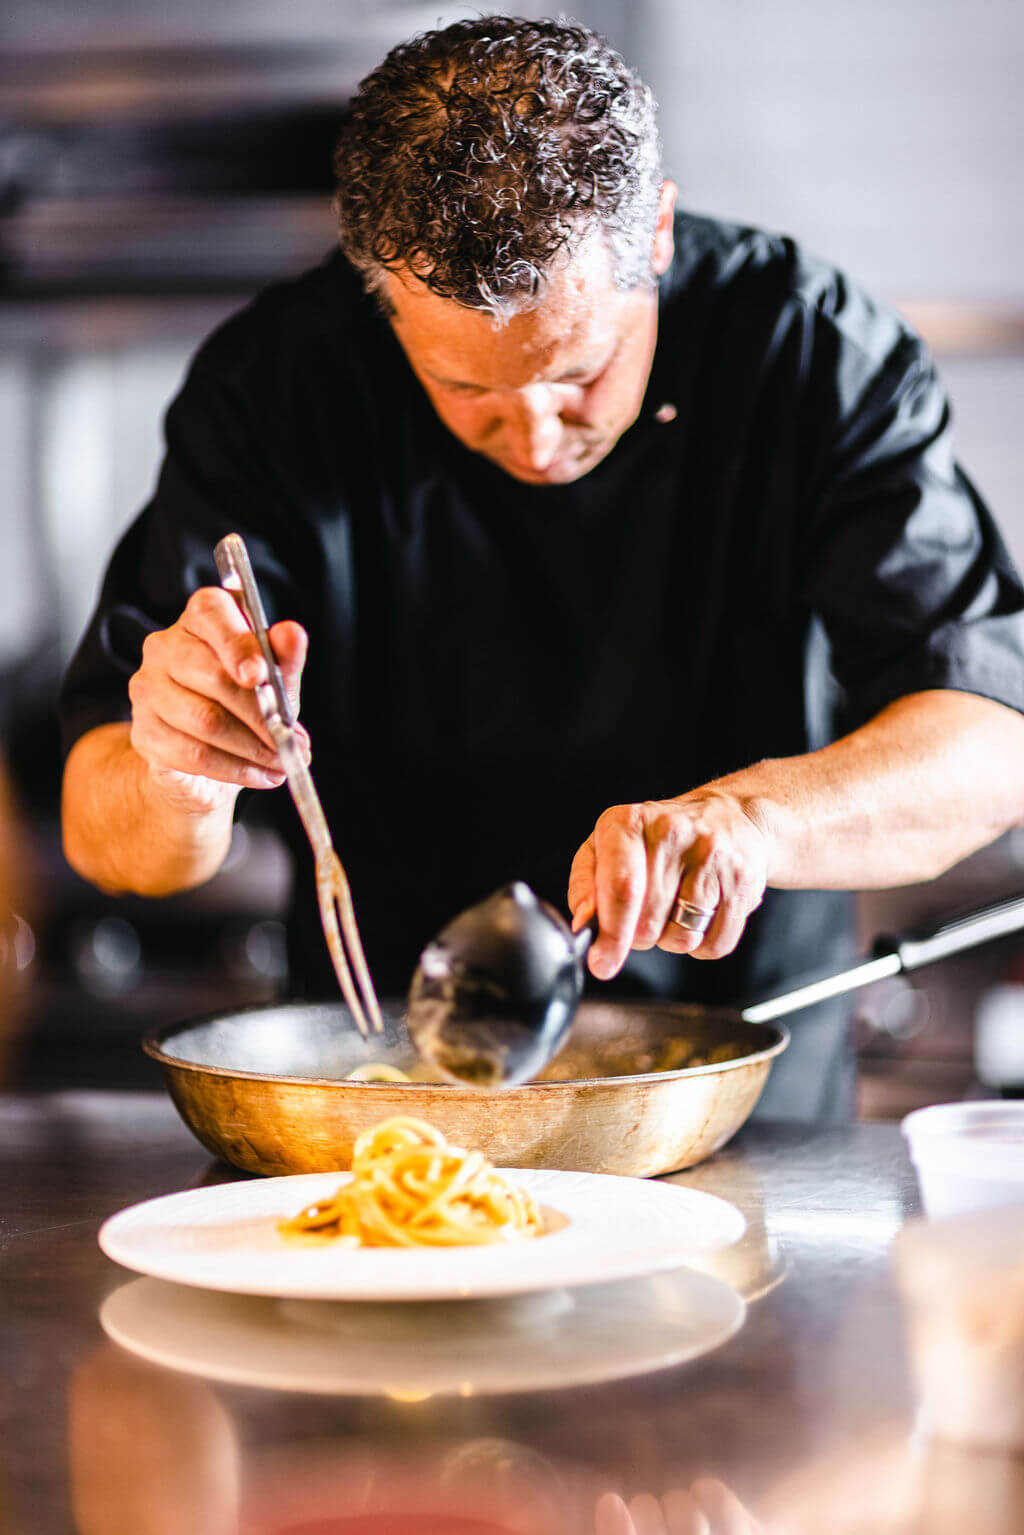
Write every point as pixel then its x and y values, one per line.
pixel 264 1089
pixel 646 1088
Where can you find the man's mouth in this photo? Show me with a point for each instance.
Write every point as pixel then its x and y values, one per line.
pixel 567 466
pixel 553 474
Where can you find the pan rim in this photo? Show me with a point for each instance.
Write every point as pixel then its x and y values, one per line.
pixel 153 1040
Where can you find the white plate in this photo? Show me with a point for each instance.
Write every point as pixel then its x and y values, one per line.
pixel 518 1343
pixel 225 1238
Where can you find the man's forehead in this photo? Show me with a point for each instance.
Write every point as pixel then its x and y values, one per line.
pixel 575 323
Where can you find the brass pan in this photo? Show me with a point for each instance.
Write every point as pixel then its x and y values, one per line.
pixel 264 1088
pixel 645 1088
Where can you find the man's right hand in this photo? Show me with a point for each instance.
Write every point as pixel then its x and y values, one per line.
pixel 195 720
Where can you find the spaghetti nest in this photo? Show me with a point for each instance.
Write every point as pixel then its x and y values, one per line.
pixel 410 1188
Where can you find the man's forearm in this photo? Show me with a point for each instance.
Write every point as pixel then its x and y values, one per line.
pixel 124 831
pixel 930 779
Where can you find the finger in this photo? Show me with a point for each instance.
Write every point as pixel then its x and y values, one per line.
pixel 216 653
pixel 718 877
pixel 165 747
pixel 213 651
pixel 182 684
pixel 581 899
pixel 611 1516
pixel 699 882
pixel 725 931
pixel 645 1512
pixel 723 1509
pixel 668 835
pixel 683 1515
pixel 290 644
pixel 211 725
pixel 697 878
pixel 740 894
pixel 213 616
pixel 620 886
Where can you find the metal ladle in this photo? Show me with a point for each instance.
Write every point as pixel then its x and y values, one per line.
pixel 495 993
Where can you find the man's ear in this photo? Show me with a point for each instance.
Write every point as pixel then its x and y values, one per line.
pixel 664 245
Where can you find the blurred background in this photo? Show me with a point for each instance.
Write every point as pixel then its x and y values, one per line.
pixel 159 164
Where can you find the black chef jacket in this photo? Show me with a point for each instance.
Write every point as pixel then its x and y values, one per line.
pixel 493 664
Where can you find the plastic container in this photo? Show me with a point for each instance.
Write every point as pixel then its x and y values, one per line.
pixel 968 1156
pixel 962 1283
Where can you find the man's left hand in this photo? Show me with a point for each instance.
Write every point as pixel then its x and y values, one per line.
pixel 705 847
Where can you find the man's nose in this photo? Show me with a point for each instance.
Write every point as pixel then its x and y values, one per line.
pixel 537 427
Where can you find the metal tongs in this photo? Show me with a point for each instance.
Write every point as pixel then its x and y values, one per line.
pixel 332 889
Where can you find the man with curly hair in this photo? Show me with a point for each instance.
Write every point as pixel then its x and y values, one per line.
pixel 611 530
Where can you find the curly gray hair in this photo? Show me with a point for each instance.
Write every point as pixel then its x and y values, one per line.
pixel 474 154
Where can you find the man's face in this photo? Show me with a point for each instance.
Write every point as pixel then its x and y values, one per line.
pixel 549 394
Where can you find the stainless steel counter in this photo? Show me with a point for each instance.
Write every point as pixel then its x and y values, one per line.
pixel 804 1413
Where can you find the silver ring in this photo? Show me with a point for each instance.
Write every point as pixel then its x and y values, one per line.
pixel 695 919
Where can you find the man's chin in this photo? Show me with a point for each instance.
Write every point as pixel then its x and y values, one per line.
pixel 562 472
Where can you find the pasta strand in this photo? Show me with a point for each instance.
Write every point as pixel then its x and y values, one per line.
pixel 411 1188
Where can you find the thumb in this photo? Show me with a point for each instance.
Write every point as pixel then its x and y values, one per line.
pixel 582 897
pixel 290 644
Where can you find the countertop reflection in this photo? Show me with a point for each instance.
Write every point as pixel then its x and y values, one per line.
pixel 758 1418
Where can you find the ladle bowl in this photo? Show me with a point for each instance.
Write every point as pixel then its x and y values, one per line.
pixel 495 993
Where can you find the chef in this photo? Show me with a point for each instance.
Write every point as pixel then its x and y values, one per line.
pixel 606 542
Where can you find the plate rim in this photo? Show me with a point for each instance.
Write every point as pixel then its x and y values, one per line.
pixel 627 1263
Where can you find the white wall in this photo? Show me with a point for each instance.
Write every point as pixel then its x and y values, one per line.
pixel 887 134
pixel 988 406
